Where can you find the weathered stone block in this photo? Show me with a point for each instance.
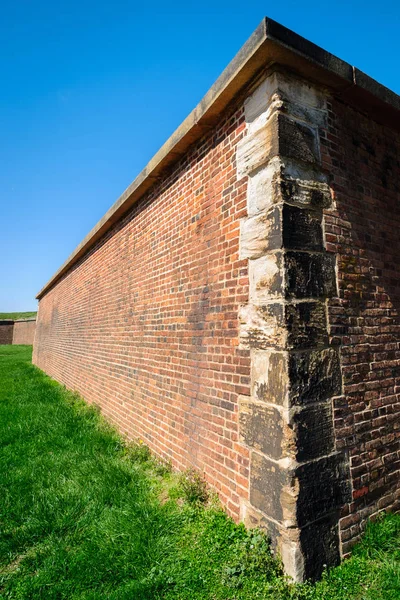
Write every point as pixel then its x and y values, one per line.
pixel 279 136
pixel 298 97
pixel 262 428
pixel 323 485
pixel 269 376
pixel 284 180
pixel 296 377
pixel 257 148
pixel 304 552
pixel 260 233
pixel 302 112
pixel 313 432
pixel 284 226
pixel 292 275
pixel 258 104
pixel 266 275
pixel 263 188
pixel 319 544
pixel 268 480
pixel 304 186
pixel 298 495
pixel 314 375
pixel 252 518
pixel 306 324
pixel 309 275
pixel 284 326
pixel 297 140
pixel 301 229
pixel 263 327
pixel 308 435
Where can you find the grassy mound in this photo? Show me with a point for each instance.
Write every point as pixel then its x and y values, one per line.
pixel 17 315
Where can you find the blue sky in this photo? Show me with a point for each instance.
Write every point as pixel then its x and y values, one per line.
pixel 91 89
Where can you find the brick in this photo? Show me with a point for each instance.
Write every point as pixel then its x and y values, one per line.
pixel 367 210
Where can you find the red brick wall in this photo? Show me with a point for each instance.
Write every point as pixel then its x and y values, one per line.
pixel 6 332
pixel 147 324
pixel 24 332
pixel 364 161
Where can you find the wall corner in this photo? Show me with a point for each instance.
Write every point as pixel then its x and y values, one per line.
pixel 298 480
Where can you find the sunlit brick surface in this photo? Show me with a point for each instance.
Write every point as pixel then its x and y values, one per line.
pixel 146 325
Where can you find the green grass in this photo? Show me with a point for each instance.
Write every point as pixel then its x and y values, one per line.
pixel 17 315
pixel 85 516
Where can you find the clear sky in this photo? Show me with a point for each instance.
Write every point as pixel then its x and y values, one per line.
pixel 91 89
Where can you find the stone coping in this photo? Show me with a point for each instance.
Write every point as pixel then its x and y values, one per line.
pixel 271 43
pixel 9 321
pixel 25 320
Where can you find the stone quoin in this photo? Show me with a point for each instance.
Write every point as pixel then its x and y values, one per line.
pixel 238 307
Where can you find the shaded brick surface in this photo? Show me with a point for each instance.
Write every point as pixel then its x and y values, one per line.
pixel 6 331
pixel 363 158
pixel 146 325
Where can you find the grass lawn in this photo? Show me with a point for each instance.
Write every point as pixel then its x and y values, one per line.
pixel 17 315
pixel 83 515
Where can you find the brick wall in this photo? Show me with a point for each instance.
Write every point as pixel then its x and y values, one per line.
pixel 17 332
pixel 242 317
pixel 6 331
pixel 24 332
pixel 363 159
pixel 147 324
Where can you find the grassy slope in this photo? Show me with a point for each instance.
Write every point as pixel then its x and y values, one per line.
pixel 80 517
pixel 17 315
